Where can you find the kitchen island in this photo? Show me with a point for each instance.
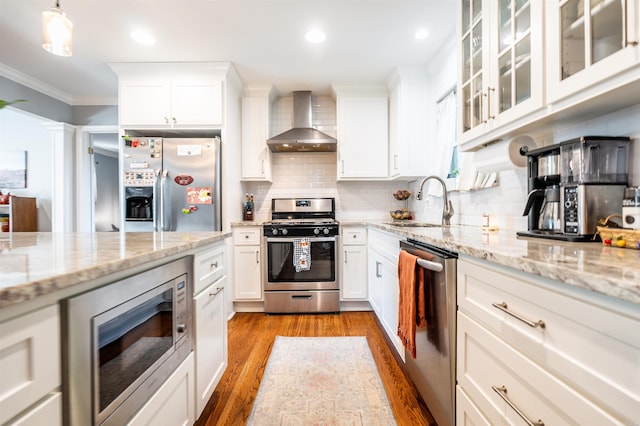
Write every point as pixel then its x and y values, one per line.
pixel 39 268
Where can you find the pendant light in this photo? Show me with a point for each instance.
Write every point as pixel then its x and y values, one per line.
pixel 56 31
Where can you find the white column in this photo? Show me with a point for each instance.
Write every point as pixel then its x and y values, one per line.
pixel 63 177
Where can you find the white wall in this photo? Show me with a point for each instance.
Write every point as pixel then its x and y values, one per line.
pixel 23 131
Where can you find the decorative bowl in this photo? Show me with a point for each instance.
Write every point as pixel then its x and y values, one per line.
pixel 401 194
pixel 400 214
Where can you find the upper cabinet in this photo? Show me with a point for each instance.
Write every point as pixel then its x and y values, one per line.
pixel 362 115
pixel 531 67
pixel 171 95
pixel 408 122
pixel 590 42
pixel 500 65
pixel 256 156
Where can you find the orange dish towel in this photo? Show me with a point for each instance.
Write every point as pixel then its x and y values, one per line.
pixel 411 304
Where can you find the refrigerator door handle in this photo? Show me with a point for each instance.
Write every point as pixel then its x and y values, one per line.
pixel 163 193
pixel 155 203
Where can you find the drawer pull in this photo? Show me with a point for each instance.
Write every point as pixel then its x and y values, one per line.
pixel 503 307
pixel 502 392
pixel 218 290
pixel 214 265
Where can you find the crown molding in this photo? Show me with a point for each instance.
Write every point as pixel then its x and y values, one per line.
pixel 37 85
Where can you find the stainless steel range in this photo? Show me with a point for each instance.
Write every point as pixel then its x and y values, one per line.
pixel 300 272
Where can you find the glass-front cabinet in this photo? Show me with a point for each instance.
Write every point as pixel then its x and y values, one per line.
pixel 501 58
pixel 589 42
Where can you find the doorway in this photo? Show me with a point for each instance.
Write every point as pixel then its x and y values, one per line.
pixel 98 186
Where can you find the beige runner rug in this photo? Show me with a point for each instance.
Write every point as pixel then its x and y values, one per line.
pixel 321 381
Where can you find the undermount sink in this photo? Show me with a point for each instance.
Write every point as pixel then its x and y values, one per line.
pixel 413 224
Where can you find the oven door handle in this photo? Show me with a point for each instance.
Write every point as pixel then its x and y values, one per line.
pixel 291 240
pixel 432 266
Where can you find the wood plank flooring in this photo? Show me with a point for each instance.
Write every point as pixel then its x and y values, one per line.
pixel 251 337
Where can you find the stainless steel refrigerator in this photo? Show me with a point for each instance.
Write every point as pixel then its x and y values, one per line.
pixel 171 184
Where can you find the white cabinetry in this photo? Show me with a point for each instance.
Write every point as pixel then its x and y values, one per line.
pixel 256 156
pixel 210 322
pixel 500 69
pixel 553 352
pixel 353 284
pixel 384 292
pixel 30 368
pixel 247 271
pixel 408 123
pixel 590 43
pixel 363 139
pixel 173 403
pixel 171 95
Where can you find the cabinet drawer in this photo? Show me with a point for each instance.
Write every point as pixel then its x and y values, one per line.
pixel 590 342
pixel 488 368
pixel 247 236
pixel 386 243
pixel 210 265
pixel 354 235
pixel 29 360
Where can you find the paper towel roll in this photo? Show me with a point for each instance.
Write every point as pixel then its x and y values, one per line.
pixel 503 155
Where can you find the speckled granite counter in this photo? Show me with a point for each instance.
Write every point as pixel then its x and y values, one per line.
pixel 40 264
pixel 610 271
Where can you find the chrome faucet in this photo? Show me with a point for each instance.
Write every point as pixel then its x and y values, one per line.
pixel 447 208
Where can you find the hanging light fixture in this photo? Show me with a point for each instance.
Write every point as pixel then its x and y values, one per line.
pixel 56 31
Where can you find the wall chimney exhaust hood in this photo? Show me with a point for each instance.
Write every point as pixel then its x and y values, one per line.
pixel 302 137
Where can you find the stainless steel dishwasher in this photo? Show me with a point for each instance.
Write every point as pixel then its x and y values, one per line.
pixel 433 371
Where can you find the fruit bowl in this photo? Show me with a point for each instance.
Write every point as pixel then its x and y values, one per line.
pixel 400 214
pixel 401 194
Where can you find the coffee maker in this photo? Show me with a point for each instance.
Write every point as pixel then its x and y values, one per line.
pixel 573 184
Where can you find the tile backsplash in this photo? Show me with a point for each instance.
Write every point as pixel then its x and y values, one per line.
pixel 314 175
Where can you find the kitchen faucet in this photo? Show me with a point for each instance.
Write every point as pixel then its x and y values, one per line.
pixel 447 208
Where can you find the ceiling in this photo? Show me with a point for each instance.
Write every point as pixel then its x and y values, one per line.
pixel 366 40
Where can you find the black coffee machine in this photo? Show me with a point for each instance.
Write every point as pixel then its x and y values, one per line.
pixel 573 184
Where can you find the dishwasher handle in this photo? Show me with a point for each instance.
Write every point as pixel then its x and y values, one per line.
pixel 432 266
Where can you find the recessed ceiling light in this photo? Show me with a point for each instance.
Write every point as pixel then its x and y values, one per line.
pixel 421 34
pixel 315 36
pixel 143 37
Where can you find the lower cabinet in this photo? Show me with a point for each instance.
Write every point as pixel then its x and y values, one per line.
pixel 210 341
pixel 384 293
pixel 30 368
pixel 535 349
pixel 247 263
pixel 353 283
pixel 173 403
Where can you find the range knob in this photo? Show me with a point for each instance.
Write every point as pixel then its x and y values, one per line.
pixel 274 231
pixel 569 204
pixel 284 231
pixel 316 231
pixel 326 231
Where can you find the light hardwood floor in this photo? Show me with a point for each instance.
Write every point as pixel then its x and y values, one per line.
pixel 251 337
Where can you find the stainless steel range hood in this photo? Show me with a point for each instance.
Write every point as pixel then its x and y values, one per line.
pixel 302 137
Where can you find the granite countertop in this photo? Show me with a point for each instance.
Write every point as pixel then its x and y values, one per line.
pixel 611 271
pixel 36 264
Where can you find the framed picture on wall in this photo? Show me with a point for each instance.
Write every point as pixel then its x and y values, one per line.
pixel 13 169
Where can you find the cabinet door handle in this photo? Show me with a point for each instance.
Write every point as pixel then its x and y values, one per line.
pixel 378 274
pixel 342 165
pixel 629 25
pixel 213 265
pixel 345 256
pixel 502 392
pixel 483 106
pixel 395 161
pixel 216 292
pixel 489 116
pixel 504 308
pixel 257 256
pixel 166 120
pixel 174 120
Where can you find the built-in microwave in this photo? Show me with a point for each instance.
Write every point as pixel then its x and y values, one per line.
pixel 123 340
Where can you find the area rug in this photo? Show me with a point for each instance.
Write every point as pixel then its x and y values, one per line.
pixel 321 381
